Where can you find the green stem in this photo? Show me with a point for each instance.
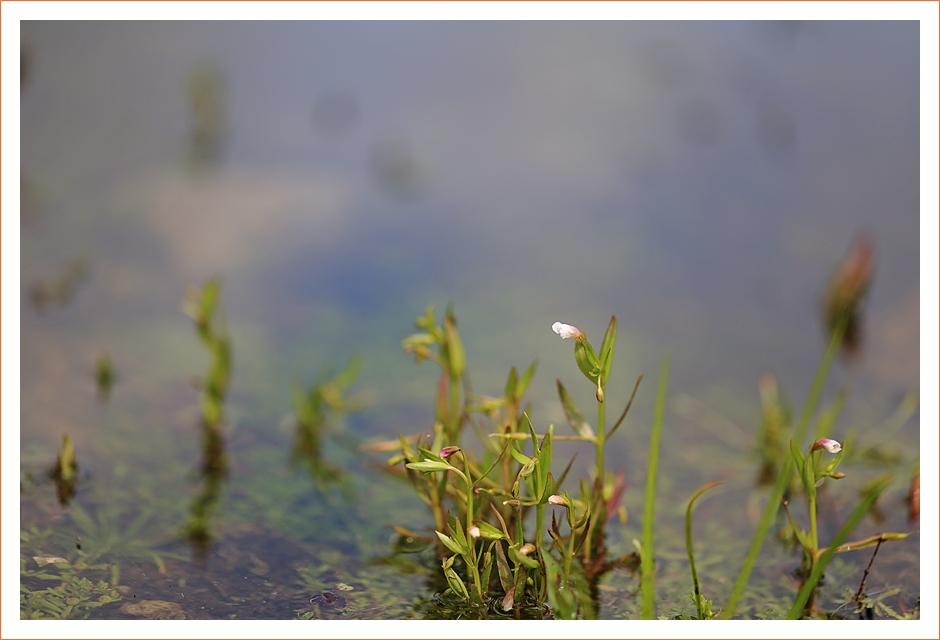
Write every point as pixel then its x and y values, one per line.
pixel 472 558
pixel 773 503
pixel 820 563
pixel 813 531
pixel 454 426
pixel 539 524
pixel 601 441
pixel 697 590
pixel 647 562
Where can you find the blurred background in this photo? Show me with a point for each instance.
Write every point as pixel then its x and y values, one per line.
pixel 699 180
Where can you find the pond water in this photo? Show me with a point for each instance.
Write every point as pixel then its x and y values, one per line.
pixel 698 180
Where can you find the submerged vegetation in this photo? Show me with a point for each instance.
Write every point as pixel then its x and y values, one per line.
pixel 508 532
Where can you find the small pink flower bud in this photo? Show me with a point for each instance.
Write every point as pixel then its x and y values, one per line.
pixel 832 446
pixel 447 452
pixel 527 548
pixel 558 500
pixel 567 331
pixel 473 531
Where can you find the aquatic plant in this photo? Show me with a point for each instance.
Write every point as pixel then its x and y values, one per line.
pixel 202 305
pixel 74 598
pixel 316 413
pixel 492 495
pixel 480 533
pixel 65 472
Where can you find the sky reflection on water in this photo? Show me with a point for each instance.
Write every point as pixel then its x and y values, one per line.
pixel 697 179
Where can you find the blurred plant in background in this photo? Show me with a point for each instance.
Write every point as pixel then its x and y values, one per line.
pixel 316 414
pixel 202 305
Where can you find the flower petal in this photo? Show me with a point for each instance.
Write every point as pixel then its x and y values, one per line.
pixel 566 330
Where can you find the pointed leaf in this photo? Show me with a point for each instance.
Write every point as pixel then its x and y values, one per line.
pixel 797 457
pixel 520 457
pixel 502 568
pixel 525 380
pixel 487 566
pixel 456 584
pixel 868 542
pixel 349 374
pixel 450 543
pixel 607 349
pixel 430 465
pixel 488 531
pixel 573 413
pixel 511 382
pixel 456 530
pixel 586 359
pixel 545 459
pixel 455 353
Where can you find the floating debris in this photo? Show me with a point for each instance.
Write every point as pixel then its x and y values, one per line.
pixel 329 599
pixel 154 610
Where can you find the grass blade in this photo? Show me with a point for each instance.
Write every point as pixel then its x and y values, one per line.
pixel 647 563
pixel 783 479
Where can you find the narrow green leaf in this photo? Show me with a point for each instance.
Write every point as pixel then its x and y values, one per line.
pixel 349 374
pixel 697 591
pixel 607 349
pixel 455 353
pixel 487 566
pixel 786 473
pixel 525 380
pixel 625 410
pixel 587 360
pixel 511 382
pixel 797 457
pixel 451 544
pixel 560 596
pixel 488 531
pixel 864 506
pixel 545 462
pixel 456 584
pixel 492 466
pixel 502 568
pixel 456 530
pixel 430 465
pixel 809 475
pixel 532 434
pixel 573 413
pixel 867 542
pixel 797 530
pixel 520 457
pixel 647 562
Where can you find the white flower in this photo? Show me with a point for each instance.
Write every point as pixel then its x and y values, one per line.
pixel 558 500
pixel 566 330
pixel 474 531
pixel 832 446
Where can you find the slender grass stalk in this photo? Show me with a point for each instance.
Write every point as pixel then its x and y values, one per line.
pixel 697 590
pixel 820 564
pixel 539 524
pixel 813 528
pixel 773 502
pixel 471 558
pixel 599 443
pixel 647 563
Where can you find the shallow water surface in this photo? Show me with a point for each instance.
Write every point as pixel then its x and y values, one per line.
pixel 700 181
